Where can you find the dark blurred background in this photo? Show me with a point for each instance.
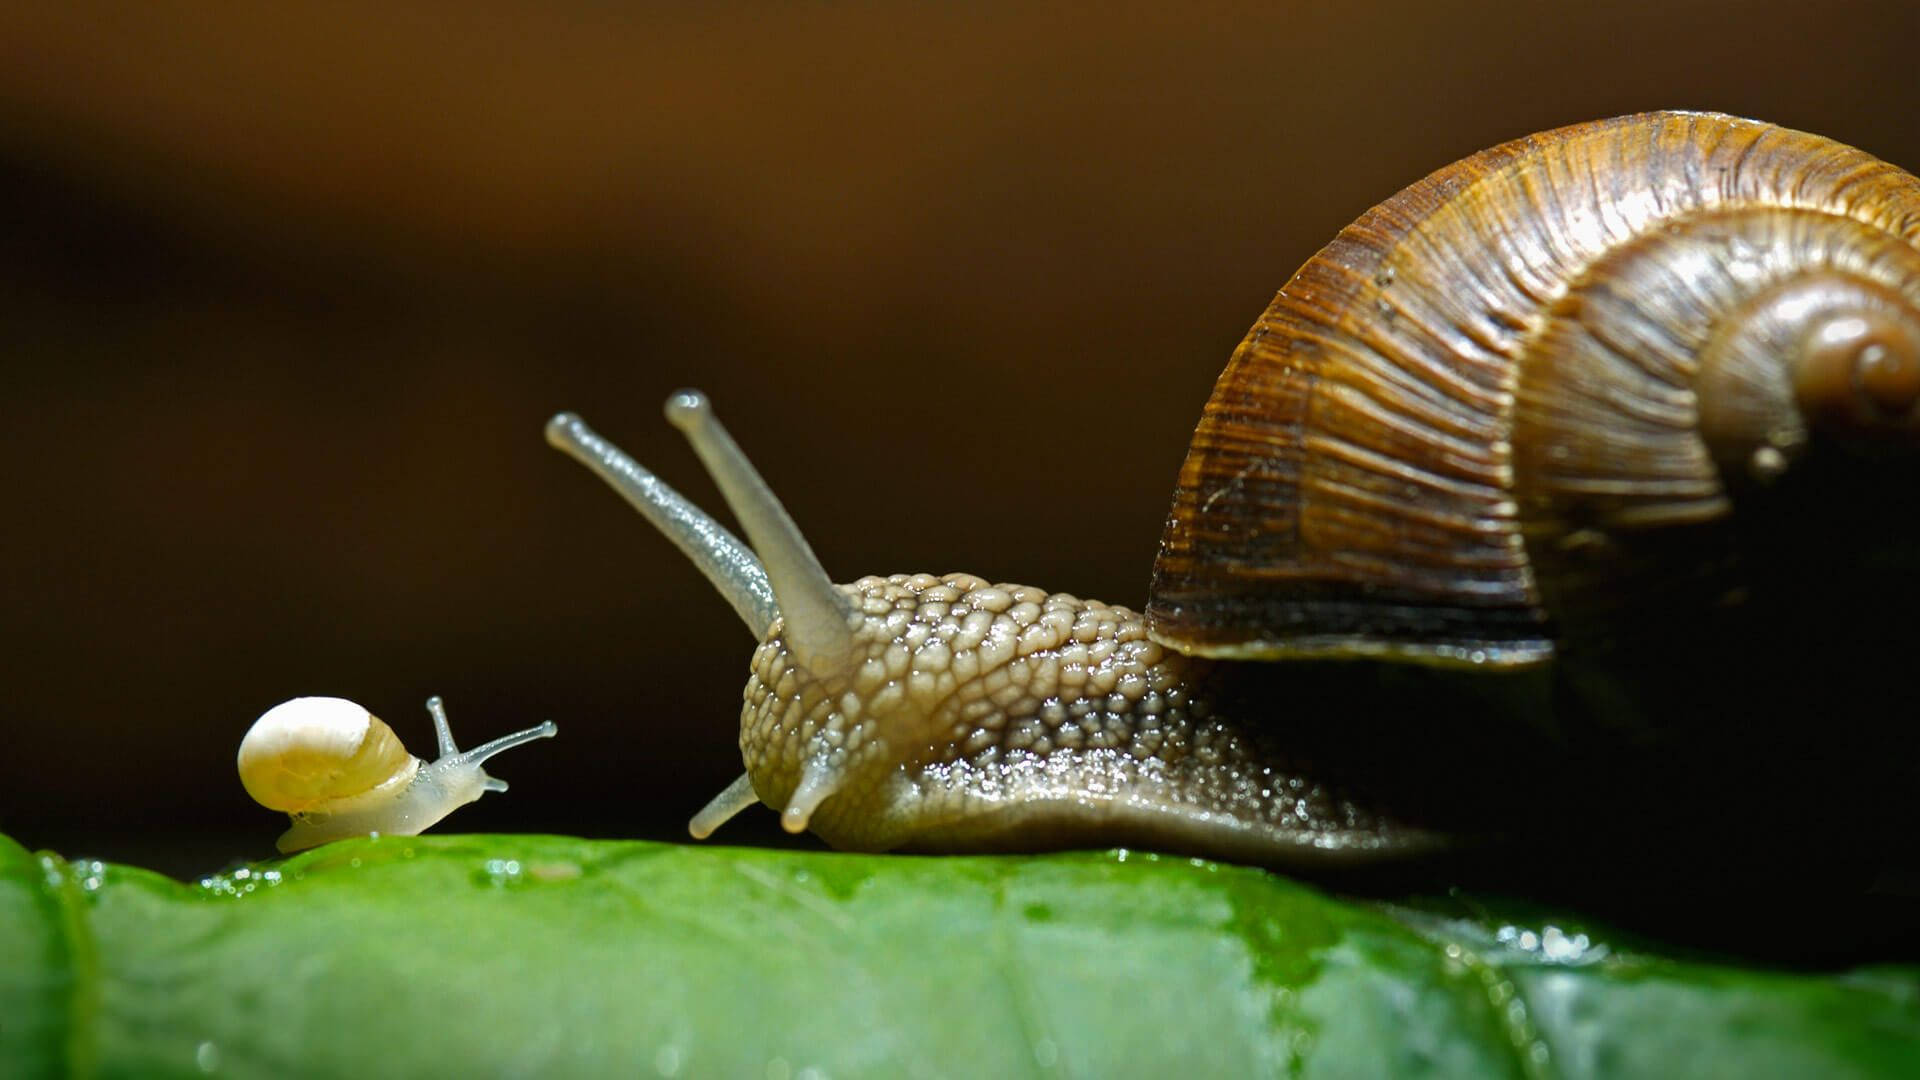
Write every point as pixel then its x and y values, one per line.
pixel 287 292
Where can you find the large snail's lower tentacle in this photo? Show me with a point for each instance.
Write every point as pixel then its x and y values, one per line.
pixel 737 797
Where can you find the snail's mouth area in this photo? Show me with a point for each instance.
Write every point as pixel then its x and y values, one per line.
pixel 807 748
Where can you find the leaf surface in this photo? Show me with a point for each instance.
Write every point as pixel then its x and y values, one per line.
pixel 543 956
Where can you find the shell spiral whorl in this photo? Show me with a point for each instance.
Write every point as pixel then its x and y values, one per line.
pixel 1532 356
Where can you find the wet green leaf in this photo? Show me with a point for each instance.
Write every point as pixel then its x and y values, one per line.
pixel 543 956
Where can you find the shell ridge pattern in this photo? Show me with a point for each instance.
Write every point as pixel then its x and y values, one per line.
pixel 1639 321
pixel 1412 329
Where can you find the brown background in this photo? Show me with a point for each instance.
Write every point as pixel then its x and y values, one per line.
pixel 287 291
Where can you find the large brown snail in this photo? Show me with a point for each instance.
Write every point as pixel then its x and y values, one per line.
pixel 1562 403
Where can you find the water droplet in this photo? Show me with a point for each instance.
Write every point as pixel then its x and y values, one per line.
pixel 207 1056
pixel 92 874
pixel 1552 944
pixel 1045 1053
pixel 666 1060
pixel 501 872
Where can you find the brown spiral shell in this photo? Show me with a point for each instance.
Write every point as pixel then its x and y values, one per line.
pixel 1537 379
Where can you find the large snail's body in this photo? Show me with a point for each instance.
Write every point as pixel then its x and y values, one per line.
pixel 1541 405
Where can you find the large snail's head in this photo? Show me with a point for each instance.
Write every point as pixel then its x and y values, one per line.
pixel 837 721
pixel 856 689
pixel 814 641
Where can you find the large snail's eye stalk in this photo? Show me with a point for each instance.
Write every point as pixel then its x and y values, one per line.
pixel 815 611
pixel 728 564
pixel 785 581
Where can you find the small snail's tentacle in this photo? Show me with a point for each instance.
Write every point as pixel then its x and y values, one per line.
pixel 815 610
pixel 729 564
pixel 477 755
pixel 442 731
pixel 449 752
pixel 737 797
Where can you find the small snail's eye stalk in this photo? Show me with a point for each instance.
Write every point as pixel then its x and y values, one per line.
pixel 442 731
pixel 452 756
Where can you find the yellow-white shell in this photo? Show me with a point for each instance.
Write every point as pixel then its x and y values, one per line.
pixel 322 753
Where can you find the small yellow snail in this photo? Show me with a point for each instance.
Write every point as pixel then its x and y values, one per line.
pixel 339 771
pixel 1593 399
